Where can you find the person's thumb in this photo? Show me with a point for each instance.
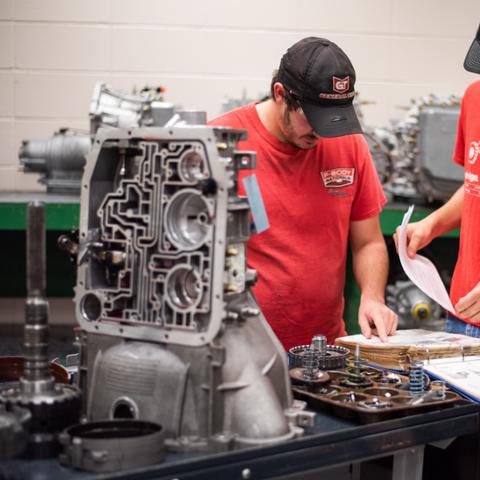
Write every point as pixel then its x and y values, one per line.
pixel 413 245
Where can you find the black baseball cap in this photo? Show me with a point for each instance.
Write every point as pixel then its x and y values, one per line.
pixel 320 76
pixel 472 60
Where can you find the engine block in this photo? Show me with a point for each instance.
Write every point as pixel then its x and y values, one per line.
pixel 149 258
pixel 173 334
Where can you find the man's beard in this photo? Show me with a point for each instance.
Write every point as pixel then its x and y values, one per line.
pixel 290 135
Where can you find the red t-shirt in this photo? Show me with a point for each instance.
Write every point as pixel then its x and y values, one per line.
pixel 310 197
pixel 467 153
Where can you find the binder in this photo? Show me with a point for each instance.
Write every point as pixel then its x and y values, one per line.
pixel 408 346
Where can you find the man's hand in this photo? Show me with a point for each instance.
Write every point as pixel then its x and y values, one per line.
pixel 374 317
pixel 469 305
pixel 419 235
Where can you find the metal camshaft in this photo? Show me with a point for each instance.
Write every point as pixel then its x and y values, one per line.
pixel 52 406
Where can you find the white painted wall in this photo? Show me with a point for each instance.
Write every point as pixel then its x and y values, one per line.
pixel 53 51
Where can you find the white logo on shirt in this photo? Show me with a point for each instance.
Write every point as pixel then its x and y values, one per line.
pixel 473 152
pixel 471 177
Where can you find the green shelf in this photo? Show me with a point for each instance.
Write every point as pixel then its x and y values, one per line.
pixel 392 216
pixel 58 216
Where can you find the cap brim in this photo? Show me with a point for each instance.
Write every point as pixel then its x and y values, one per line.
pixel 332 121
pixel 472 60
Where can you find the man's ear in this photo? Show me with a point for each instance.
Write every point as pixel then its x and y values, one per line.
pixel 279 92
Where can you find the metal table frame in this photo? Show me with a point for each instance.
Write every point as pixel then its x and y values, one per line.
pixel 333 442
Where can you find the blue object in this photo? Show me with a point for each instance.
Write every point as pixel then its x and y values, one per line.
pixel 257 206
pixel 454 325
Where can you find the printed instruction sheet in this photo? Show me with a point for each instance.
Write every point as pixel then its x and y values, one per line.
pixel 421 271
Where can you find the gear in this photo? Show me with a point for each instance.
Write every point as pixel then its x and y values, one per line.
pixel 335 357
pixel 52 410
pixel 13 436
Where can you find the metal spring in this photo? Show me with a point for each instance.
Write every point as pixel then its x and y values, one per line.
pixel 416 379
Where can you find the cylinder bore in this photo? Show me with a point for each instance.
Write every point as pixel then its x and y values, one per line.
pixel 187 220
pixel 192 167
pixel 183 287
pixel 91 307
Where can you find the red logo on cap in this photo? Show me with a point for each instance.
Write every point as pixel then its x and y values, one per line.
pixel 341 85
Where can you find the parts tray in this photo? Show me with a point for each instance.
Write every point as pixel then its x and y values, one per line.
pixel 348 402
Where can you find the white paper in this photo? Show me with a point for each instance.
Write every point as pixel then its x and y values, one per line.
pixel 461 374
pixel 418 337
pixel 421 271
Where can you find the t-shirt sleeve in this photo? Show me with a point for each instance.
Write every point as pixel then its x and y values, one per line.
pixel 229 119
pixel 459 151
pixel 369 196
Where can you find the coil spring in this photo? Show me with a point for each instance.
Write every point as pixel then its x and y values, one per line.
pixel 416 379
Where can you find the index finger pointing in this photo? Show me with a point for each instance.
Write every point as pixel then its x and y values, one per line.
pixel 381 329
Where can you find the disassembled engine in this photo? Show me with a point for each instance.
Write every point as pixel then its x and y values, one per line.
pixel 415 155
pixel 369 394
pixel 414 308
pixel 172 333
pixel 60 160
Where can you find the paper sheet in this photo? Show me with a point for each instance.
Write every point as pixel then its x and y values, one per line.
pixel 421 271
pixel 416 337
pixel 460 374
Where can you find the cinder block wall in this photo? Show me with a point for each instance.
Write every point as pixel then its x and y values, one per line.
pixel 53 51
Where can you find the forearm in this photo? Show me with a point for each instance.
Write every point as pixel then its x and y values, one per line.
pixel 448 216
pixel 370 267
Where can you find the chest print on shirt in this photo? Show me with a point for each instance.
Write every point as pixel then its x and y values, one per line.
pixel 471 183
pixel 338 177
pixel 473 152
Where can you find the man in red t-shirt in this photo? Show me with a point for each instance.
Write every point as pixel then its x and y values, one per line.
pixel 320 191
pixel 462 209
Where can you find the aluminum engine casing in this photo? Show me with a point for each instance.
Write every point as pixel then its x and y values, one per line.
pixel 172 331
pixel 422 158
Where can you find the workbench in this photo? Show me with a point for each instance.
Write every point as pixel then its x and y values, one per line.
pixel 333 448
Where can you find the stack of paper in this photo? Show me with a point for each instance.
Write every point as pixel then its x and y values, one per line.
pixel 462 374
pixel 408 346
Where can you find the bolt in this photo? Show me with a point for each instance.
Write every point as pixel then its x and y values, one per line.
pixel 246 474
pixel 250 312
